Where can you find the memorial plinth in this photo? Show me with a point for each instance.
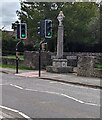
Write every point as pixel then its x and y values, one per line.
pixel 59 66
pixel 59 63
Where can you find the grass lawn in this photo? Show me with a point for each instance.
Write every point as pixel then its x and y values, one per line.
pixel 99 66
pixel 21 57
pixel 23 67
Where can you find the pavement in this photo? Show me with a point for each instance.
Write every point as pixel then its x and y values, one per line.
pixel 9 115
pixel 70 78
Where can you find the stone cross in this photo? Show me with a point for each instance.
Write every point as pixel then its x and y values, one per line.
pixel 60 36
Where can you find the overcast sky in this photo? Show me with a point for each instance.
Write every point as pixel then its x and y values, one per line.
pixel 8 13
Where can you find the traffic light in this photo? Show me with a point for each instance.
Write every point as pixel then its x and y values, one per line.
pixel 45 28
pixel 18 31
pixel 48 28
pixel 41 28
pixel 23 31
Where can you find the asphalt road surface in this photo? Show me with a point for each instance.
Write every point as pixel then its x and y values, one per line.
pixel 38 98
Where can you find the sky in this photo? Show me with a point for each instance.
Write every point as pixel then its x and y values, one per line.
pixel 8 13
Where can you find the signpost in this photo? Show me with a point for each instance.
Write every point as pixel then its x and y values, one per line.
pixel 39 60
pixel 17 58
pixel 40 56
pixel 21 34
pixel 45 31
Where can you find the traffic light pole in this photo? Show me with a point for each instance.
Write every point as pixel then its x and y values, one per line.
pixel 45 31
pixel 17 56
pixel 16 64
pixel 39 60
pixel 40 57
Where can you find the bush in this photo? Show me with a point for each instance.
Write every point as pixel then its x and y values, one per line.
pixel 9 47
pixel 29 47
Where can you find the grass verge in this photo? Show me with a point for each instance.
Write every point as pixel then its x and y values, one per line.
pixel 99 66
pixel 22 67
pixel 21 57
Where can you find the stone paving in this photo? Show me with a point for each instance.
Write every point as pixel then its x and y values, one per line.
pixel 67 78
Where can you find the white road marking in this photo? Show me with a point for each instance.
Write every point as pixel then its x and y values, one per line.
pixel 72 98
pixel 16 111
pixel 61 94
pixel 16 86
pixel 53 82
pixel 31 90
pixel 92 104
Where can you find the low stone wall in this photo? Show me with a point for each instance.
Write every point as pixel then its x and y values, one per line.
pixel 72 60
pixel 85 62
pixel 31 58
pixel 53 69
pixel 87 66
pixel 9 61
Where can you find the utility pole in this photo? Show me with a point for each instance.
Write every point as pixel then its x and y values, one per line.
pixel 17 58
pixel 43 41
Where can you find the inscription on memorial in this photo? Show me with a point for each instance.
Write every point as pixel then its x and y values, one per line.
pixel 72 57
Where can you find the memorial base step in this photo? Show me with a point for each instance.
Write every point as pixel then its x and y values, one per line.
pixel 68 69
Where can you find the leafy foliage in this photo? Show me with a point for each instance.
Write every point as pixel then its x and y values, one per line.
pixel 9 44
pixel 80 22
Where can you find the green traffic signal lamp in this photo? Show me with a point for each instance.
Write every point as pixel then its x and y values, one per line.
pixel 48 28
pixel 23 35
pixel 49 33
pixel 23 31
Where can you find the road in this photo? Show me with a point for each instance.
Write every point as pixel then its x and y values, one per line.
pixel 38 98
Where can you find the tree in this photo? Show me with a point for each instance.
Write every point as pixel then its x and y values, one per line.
pixel 32 13
pixel 8 42
pixel 78 18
